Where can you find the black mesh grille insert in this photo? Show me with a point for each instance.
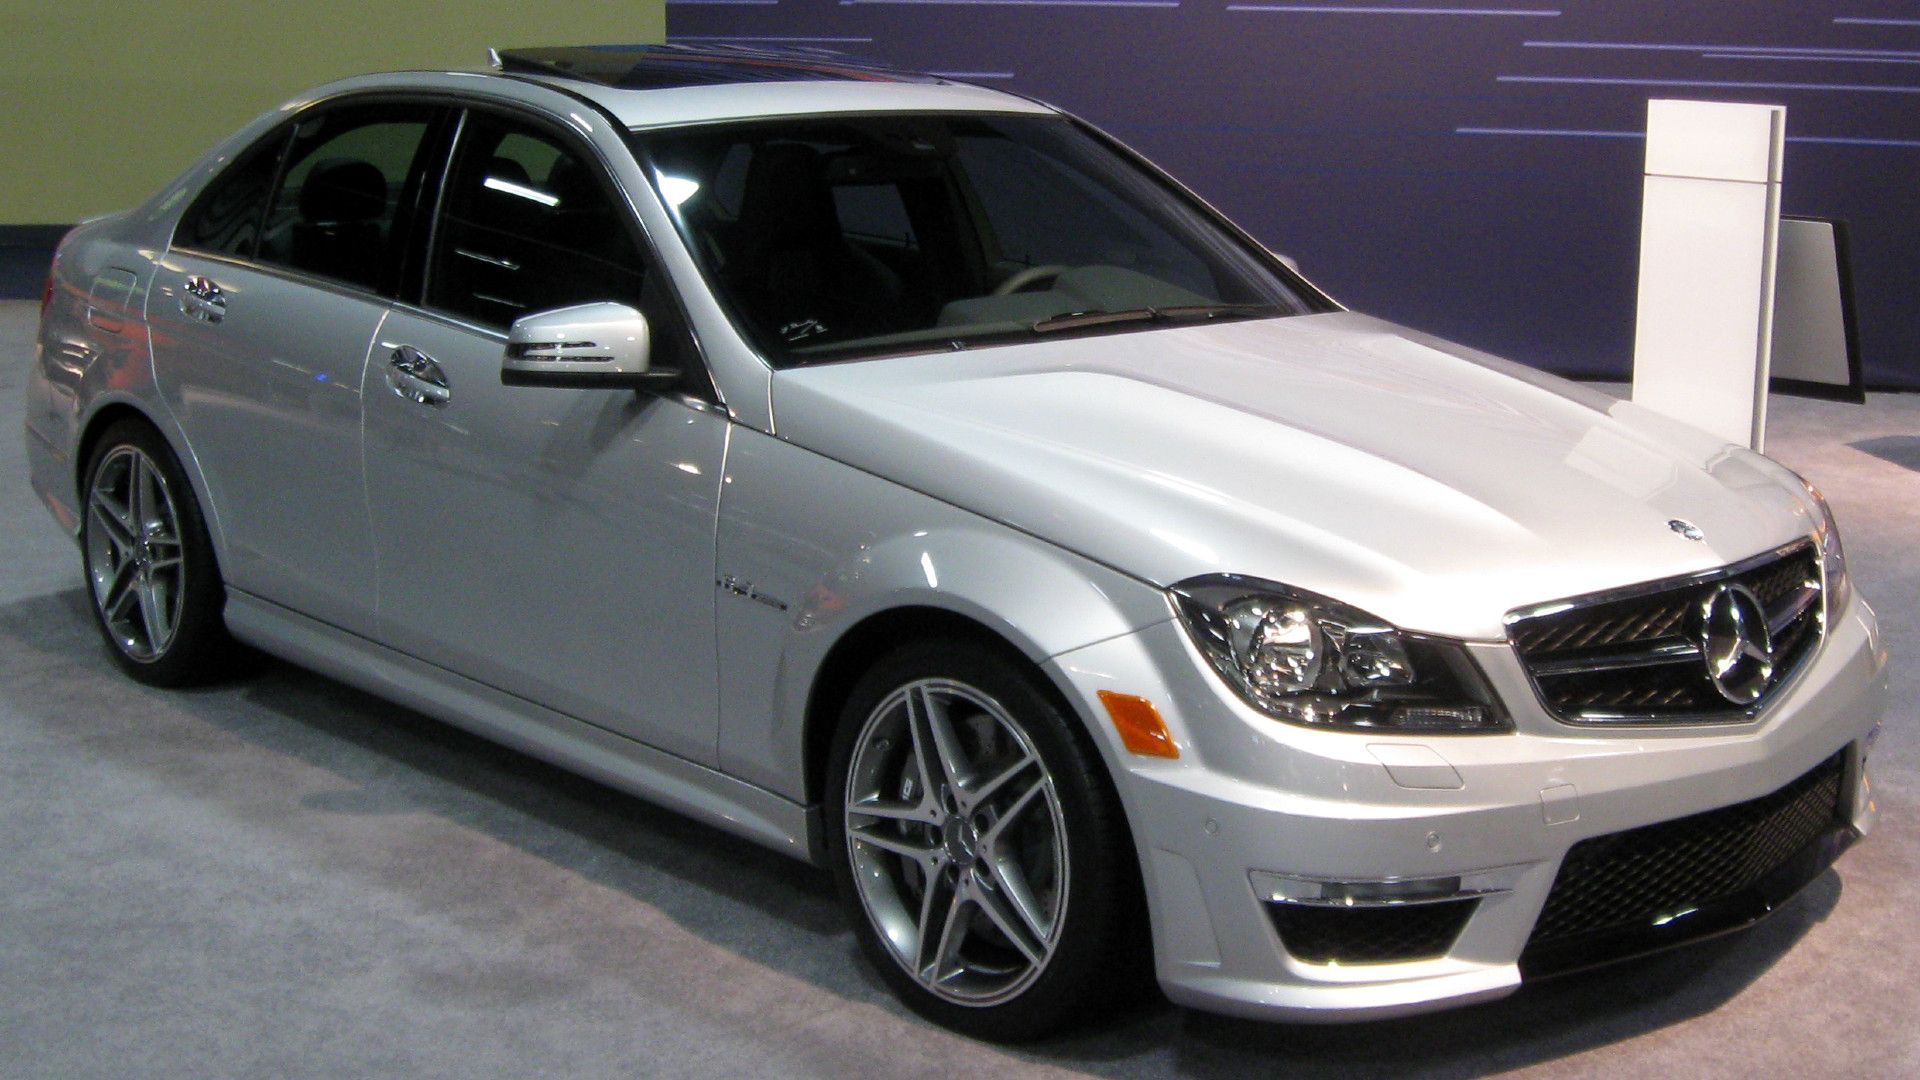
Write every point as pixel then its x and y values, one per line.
pixel 1597 658
pixel 1642 877
pixel 1369 935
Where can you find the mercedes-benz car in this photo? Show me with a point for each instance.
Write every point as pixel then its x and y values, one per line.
pixel 910 478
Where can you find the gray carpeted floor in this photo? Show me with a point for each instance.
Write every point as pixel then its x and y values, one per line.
pixel 287 878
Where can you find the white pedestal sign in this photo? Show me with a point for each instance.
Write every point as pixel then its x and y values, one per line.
pixel 1709 240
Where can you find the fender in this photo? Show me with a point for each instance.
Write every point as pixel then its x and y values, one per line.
pixel 141 396
pixel 870 547
pixel 96 361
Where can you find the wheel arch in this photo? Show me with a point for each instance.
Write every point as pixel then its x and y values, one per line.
pixel 863 645
pixel 867 641
pixel 90 433
pixel 113 410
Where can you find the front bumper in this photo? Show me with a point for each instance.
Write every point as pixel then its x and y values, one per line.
pixel 1252 804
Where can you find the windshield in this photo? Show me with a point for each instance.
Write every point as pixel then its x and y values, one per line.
pixel 831 238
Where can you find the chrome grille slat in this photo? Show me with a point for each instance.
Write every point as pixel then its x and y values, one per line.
pixel 1635 626
pixel 1633 655
pixel 1668 651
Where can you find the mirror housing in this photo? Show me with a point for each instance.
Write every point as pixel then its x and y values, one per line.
pixel 1287 261
pixel 586 346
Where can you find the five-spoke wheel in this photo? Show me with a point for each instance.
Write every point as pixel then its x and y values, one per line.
pixel 133 553
pixel 157 595
pixel 955 833
pixel 977 842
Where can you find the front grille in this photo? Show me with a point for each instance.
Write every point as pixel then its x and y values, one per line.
pixel 1392 933
pixel 1647 877
pixel 1635 655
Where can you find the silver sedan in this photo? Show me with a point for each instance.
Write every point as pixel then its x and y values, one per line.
pixel 910 478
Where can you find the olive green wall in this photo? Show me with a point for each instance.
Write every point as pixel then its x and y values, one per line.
pixel 101 102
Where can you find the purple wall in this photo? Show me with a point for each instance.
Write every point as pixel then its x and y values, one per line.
pixel 1469 167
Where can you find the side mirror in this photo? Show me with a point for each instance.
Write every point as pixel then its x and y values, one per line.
pixel 1287 261
pixel 601 345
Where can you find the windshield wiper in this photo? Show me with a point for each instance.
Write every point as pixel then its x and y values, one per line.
pixel 1074 320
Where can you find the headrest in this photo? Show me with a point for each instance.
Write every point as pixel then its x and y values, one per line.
pixel 341 190
pixel 572 184
pixel 786 197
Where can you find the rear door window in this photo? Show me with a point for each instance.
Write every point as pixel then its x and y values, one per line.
pixel 347 195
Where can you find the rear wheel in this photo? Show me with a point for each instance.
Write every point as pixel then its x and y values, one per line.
pixel 156 591
pixel 977 845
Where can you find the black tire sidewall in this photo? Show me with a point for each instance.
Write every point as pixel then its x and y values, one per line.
pixel 200 648
pixel 1091 957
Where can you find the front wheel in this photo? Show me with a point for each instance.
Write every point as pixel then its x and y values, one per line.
pixel 156 591
pixel 978 846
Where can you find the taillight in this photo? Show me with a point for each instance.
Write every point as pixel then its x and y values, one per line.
pixel 53 272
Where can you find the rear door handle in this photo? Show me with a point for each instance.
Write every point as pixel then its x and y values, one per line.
pixel 202 299
pixel 416 376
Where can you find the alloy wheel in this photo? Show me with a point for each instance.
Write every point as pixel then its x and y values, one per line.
pixel 135 559
pixel 957 842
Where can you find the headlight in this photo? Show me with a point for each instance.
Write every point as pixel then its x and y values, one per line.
pixel 1833 558
pixel 1312 661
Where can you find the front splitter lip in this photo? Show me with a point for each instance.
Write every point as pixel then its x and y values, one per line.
pixel 1358 1003
pixel 1727 915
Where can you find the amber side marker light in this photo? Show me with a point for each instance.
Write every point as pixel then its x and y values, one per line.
pixel 1139 725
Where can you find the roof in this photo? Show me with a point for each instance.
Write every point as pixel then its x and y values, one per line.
pixel 668 85
pixel 666 67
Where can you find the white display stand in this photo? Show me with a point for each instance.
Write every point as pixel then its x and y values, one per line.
pixel 1709 242
pixel 1816 349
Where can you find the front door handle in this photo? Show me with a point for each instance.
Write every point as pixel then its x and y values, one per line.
pixel 203 300
pixel 415 376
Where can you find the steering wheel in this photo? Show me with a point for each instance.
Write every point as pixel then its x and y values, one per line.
pixel 1023 278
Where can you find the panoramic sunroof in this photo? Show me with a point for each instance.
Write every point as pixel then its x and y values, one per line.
pixel 661 67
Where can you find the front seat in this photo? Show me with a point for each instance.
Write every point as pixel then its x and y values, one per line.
pixel 794 264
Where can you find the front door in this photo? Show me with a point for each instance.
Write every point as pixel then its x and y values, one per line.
pixel 554 544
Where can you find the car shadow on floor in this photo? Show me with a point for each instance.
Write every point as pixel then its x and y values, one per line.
pixel 769 910
pixel 1901 450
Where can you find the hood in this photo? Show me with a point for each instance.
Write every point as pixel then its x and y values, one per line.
pixel 1433 486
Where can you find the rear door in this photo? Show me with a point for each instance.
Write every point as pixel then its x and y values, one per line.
pixel 262 314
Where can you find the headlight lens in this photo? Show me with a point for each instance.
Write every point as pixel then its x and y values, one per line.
pixel 1833 557
pixel 1317 662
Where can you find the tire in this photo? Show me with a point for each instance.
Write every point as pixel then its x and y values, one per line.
pixel 992 882
pixel 154 587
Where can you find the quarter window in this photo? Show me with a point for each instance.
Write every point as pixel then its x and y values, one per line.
pixel 226 218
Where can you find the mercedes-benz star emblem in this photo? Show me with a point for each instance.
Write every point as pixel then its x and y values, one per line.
pixel 1686 528
pixel 1736 643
